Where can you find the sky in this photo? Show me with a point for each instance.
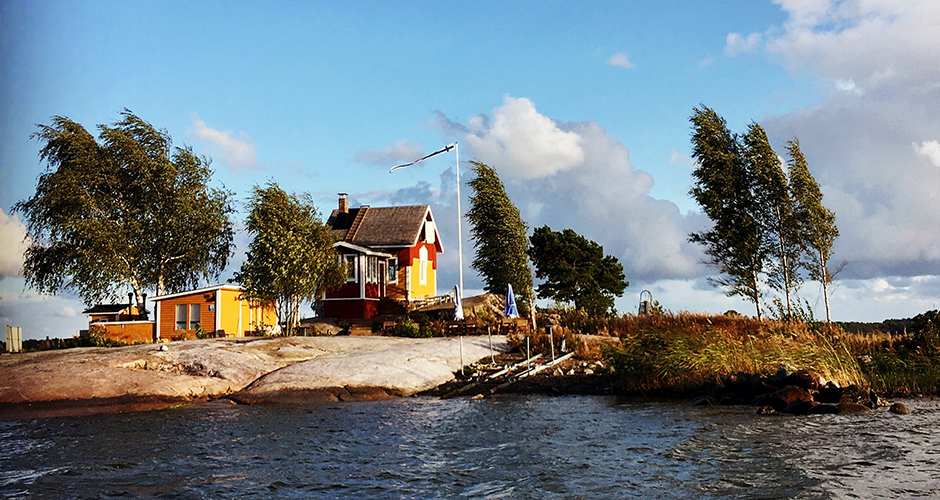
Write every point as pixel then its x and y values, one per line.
pixel 581 107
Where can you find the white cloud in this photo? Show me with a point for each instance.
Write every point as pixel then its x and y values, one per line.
pixel 523 142
pixel 620 61
pixel 13 234
pixel 864 142
pixel 66 312
pixel 401 151
pixel 871 43
pixel 575 175
pixel 677 159
pixel 929 149
pixel 736 44
pixel 238 152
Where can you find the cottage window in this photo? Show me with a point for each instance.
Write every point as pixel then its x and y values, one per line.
pixel 181 316
pixel 352 266
pixel 193 316
pixel 423 264
pixel 393 270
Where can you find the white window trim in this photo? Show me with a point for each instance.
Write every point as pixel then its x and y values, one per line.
pixel 354 272
pixel 423 266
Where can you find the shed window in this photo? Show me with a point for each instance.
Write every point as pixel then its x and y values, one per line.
pixel 193 316
pixel 181 316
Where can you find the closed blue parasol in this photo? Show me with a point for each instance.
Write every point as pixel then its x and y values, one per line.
pixel 511 311
pixel 458 304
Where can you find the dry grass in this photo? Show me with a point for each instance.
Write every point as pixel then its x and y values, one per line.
pixel 684 351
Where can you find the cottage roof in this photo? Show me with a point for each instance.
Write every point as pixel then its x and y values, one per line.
pixel 225 286
pixel 381 227
pixel 106 309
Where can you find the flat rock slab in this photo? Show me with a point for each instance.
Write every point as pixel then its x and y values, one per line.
pixel 93 380
pixel 402 368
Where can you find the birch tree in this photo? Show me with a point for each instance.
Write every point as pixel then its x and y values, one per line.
pixel 776 215
pixel 125 210
pixel 817 224
pixel 290 259
pixel 736 244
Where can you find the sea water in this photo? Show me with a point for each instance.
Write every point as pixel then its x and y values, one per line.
pixel 502 447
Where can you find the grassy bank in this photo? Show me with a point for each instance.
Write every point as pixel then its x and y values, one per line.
pixel 679 353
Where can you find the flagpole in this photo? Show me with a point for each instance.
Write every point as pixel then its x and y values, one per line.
pixel 459 221
pixel 446 149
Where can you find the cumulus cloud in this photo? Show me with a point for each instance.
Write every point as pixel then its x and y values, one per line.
pixel 620 61
pixel 736 44
pixel 525 143
pixel 575 175
pixel 401 151
pixel 13 234
pixel 872 43
pixel 864 143
pixel 237 150
pixel 930 150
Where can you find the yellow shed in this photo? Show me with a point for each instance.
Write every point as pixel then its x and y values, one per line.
pixel 220 311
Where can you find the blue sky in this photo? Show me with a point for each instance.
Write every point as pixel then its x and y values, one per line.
pixel 582 108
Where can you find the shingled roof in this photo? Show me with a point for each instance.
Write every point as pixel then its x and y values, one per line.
pixel 380 227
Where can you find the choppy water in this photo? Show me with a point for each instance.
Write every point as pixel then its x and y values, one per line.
pixel 506 447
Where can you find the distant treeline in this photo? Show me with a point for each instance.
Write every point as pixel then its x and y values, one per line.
pixel 892 326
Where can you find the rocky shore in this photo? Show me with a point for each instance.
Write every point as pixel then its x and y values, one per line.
pixel 794 392
pixel 246 370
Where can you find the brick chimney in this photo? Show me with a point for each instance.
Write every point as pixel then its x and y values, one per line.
pixel 343 203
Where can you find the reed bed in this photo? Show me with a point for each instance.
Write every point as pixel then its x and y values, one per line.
pixel 683 352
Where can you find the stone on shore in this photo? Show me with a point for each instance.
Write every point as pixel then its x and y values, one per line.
pixel 899 409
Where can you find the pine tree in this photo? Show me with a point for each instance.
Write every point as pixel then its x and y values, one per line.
pixel 817 224
pixel 575 269
pixel 724 187
pixel 499 235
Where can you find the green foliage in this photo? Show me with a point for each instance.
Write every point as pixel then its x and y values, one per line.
pixel 200 333
pixel 725 189
pixel 776 215
pixel 415 325
pixel 817 224
pixel 127 209
pixel 575 270
pixel 499 235
pixel 902 364
pixel 290 258
pixel 799 311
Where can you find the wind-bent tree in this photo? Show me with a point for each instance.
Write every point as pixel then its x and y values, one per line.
pixel 290 259
pixel 724 187
pixel 776 216
pixel 817 224
pixel 127 209
pixel 576 270
pixel 499 235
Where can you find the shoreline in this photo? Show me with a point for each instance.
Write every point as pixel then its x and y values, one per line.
pixel 84 381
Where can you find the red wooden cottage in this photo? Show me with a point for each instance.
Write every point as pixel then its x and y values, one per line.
pixel 392 253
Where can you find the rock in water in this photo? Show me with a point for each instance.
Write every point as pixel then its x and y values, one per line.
pixel 899 409
pixel 853 409
pixel 766 410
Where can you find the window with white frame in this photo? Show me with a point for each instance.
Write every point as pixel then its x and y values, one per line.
pixel 181 316
pixel 393 270
pixel 423 264
pixel 193 316
pixel 352 263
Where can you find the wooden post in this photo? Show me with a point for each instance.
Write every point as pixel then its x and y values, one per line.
pixel 461 356
pixel 490 335
pixel 527 353
pixel 551 340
